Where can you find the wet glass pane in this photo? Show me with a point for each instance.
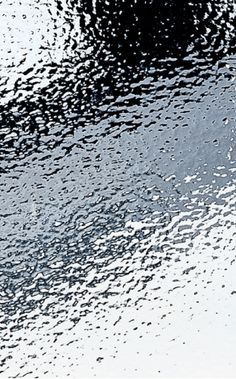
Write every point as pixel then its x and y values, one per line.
pixel 117 188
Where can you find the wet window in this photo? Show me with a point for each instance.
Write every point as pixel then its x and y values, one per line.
pixel 117 188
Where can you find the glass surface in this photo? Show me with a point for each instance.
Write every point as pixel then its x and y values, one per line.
pixel 117 188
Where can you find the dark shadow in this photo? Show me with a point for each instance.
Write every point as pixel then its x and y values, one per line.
pixel 158 28
pixel 133 29
pixel 126 37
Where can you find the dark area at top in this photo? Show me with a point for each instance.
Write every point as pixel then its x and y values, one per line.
pixel 126 38
pixel 160 28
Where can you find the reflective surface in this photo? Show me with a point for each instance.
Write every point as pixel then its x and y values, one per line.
pixel 118 206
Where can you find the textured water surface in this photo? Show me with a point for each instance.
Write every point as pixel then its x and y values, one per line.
pixel 117 188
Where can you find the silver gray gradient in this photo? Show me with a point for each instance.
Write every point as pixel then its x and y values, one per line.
pixel 117 190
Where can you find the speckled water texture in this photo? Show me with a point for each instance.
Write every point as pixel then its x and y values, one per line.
pixel 117 188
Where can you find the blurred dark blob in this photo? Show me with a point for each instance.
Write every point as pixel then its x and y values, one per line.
pixel 135 28
pixel 124 39
pixel 161 28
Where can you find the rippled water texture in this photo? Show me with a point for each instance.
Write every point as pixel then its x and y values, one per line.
pixel 118 205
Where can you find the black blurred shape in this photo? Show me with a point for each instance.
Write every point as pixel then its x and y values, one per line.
pixel 124 37
pixel 133 28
